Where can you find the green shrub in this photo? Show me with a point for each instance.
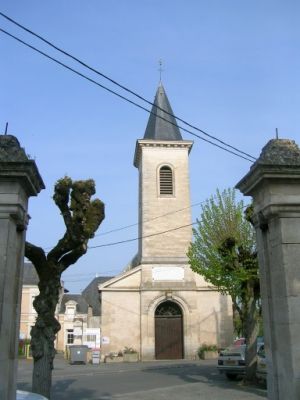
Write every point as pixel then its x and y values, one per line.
pixel 129 350
pixel 206 347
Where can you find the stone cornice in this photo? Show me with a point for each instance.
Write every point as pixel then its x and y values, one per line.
pixel 260 173
pixel 25 172
pixel 262 216
pixel 164 260
pixel 180 144
pixel 122 275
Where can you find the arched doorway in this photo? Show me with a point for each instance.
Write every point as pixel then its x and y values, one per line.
pixel 168 331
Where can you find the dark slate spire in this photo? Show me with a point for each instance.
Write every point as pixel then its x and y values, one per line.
pixel 157 128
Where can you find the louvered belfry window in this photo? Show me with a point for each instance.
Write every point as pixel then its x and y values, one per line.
pixel 165 181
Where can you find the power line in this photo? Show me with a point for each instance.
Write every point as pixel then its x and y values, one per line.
pixel 122 86
pixel 121 96
pixel 150 219
pixel 147 236
pixel 144 221
pixel 141 237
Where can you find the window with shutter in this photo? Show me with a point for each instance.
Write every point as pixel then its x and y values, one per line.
pixel 165 181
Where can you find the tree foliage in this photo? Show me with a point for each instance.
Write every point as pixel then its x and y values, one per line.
pixel 224 253
pixel 82 217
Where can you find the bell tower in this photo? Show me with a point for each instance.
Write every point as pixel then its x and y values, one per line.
pixel 164 193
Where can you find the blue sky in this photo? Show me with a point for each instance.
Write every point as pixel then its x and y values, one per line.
pixel 230 67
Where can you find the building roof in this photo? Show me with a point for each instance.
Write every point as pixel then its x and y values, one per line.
pixel 91 294
pixel 81 307
pixel 158 128
pixel 30 276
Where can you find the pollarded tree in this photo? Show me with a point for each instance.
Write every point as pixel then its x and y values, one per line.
pixel 82 217
pixel 224 253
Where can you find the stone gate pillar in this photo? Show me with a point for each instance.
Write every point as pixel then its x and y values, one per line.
pixel 19 179
pixel 274 184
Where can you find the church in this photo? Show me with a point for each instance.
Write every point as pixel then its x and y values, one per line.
pixel 158 305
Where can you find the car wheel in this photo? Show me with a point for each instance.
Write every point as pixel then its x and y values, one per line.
pixel 231 377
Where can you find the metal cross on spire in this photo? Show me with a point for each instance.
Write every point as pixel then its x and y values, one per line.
pixel 160 62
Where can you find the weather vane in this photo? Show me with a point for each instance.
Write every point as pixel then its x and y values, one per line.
pixel 160 62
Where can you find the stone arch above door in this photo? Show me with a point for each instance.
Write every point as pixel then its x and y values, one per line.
pixel 151 307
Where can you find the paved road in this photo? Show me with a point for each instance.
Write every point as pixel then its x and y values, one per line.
pixel 165 380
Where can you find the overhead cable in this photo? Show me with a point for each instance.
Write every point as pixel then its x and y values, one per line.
pixel 120 85
pixel 150 219
pixel 123 97
pixel 141 237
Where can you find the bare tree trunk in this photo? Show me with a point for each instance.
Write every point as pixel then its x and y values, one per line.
pixel 42 373
pixel 43 336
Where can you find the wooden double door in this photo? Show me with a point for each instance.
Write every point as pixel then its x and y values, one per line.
pixel 168 332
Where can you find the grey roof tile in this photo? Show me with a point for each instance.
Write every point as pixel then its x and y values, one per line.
pixel 92 296
pixel 157 128
pixel 81 307
pixel 30 276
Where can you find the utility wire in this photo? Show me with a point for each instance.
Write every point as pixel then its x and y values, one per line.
pixel 123 97
pixel 144 221
pixel 150 219
pixel 147 236
pixel 122 86
pixel 141 237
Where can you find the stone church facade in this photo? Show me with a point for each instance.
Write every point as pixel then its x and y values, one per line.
pixel 159 306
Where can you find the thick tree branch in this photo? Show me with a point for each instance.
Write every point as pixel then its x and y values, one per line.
pixel 62 247
pixel 236 306
pixel 37 256
pixel 61 198
pixel 71 257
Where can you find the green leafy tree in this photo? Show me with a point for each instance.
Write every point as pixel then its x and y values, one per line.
pixel 224 253
pixel 82 217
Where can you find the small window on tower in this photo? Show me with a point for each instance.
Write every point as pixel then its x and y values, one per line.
pixel 165 181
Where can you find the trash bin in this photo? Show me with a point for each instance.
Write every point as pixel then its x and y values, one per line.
pixel 95 356
pixel 78 354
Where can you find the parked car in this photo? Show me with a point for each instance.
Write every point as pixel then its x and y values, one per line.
pixel 261 370
pixel 231 361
